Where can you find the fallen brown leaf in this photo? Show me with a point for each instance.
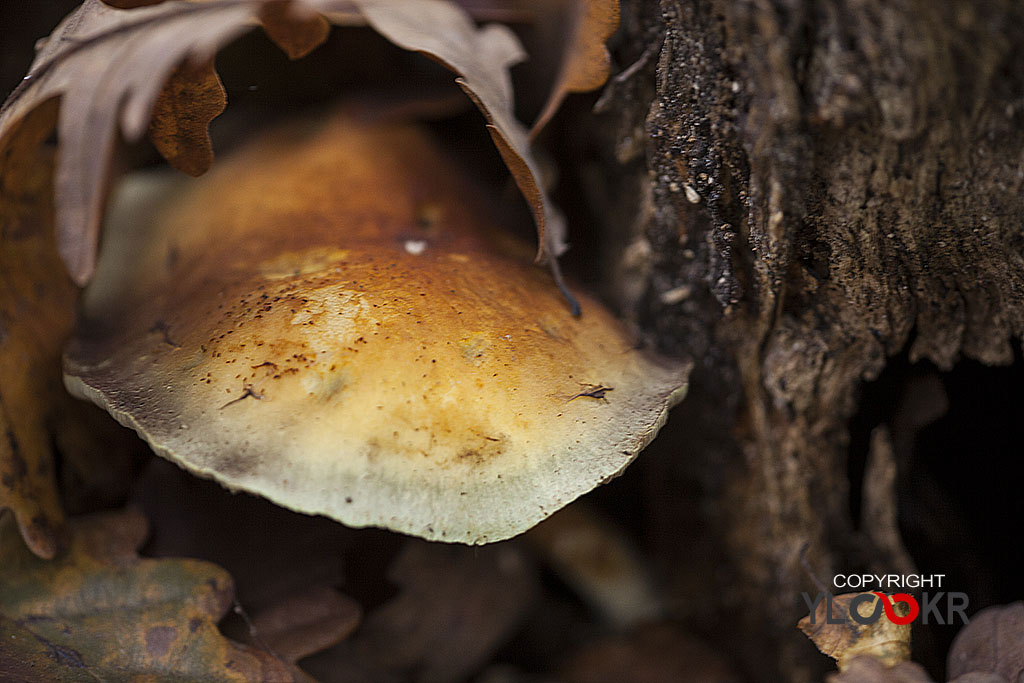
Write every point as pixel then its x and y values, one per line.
pixel 993 642
pixel 598 560
pixel 979 677
pixel 295 28
pixel 193 517
pixel 305 622
pixel 99 612
pixel 109 67
pixel 482 59
pixel 657 653
pixel 35 315
pixel 179 127
pixel 866 669
pixel 882 639
pixel 585 61
pixel 455 607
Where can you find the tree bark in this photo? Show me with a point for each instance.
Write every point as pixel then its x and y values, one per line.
pixel 812 187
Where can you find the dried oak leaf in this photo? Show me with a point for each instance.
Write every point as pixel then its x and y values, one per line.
pixel 866 669
pixel 585 61
pixel 979 677
pixel 455 606
pixel 305 622
pixel 180 123
pixel 993 642
pixel 109 67
pixel 99 612
pixel 294 27
pixel 106 64
pixel 482 58
pixel 599 562
pixel 659 652
pixel 35 315
pixel 881 639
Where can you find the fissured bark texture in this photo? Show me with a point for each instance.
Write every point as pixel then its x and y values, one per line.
pixel 813 187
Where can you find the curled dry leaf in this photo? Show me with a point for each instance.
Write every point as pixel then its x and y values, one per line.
pixel 35 316
pixel 882 639
pixel 179 127
pixel 598 560
pixel 454 608
pixel 109 67
pixel 193 517
pixel 993 642
pixel 979 677
pixel 866 669
pixel 305 622
pixel 482 59
pixel 585 61
pixel 655 653
pixel 295 28
pixel 58 618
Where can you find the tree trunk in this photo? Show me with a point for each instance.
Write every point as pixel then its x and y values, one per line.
pixel 812 188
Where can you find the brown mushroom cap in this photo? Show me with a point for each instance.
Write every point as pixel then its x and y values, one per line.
pixel 330 320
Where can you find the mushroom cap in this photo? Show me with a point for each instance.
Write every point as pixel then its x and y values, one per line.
pixel 330 319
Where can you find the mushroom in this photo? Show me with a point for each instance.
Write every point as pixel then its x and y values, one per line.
pixel 331 320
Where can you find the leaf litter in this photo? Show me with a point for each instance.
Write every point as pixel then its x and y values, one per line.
pixel 36 301
pixel 586 63
pixel 837 634
pixel 58 618
pixel 126 72
pixel 992 643
pixel 121 73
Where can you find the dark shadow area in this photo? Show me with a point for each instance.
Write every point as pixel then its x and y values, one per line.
pixel 21 25
pixel 960 505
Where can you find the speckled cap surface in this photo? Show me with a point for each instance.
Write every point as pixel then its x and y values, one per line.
pixel 329 319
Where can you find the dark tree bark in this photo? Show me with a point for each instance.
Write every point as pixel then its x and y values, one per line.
pixel 812 187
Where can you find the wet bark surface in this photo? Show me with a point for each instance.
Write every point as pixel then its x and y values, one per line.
pixel 816 188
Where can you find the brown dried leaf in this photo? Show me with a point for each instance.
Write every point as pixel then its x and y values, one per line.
pixel 979 677
pixel 598 560
pixel 482 58
pixel 179 128
pixel 293 28
pixel 585 61
pixel 882 639
pixel 992 642
pixel 193 517
pixel 36 301
pixel 306 622
pixel 865 669
pixel 61 618
pixel 655 653
pixel 109 67
pixel 455 607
